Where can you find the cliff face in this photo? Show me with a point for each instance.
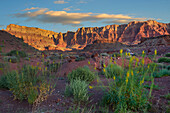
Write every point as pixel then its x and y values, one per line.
pixel 130 33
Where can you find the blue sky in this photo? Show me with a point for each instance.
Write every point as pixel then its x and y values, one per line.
pixel 69 15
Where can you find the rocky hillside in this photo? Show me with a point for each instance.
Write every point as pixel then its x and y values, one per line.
pixel 128 34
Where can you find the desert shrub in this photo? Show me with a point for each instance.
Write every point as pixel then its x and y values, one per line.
pixel 164 59
pixel 167 55
pixel 80 58
pixel 17 53
pixel 116 55
pixel 78 89
pixel 2 65
pixel 113 70
pixel 164 72
pixel 126 92
pixel 26 84
pixel 4 79
pixel 82 73
pixel 168 67
pixel 11 59
pixel 54 67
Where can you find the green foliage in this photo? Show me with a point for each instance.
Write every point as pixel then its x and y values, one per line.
pixel 80 59
pixel 82 73
pixel 53 67
pixel 168 67
pixel 17 53
pixel 25 84
pixel 113 70
pixel 167 55
pixel 156 87
pixel 78 89
pixel 164 59
pixel 2 65
pixel 164 72
pixel 116 54
pixel 11 59
pixel 126 92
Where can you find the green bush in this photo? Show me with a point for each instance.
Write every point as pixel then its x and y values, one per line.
pixel 80 58
pixel 17 53
pixel 116 54
pixel 54 67
pixel 26 84
pixel 168 67
pixel 11 59
pixel 167 55
pixel 113 70
pixel 78 89
pixel 164 72
pixel 164 59
pixel 82 73
pixel 2 65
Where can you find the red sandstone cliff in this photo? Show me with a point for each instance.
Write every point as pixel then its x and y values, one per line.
pixel 130 33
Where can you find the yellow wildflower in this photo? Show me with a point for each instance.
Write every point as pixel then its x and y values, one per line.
pixel 46 68
pixel 29 59
pixel 137 71
pixel 97 80
pixel 89 62
pixel 114 55
pixel 126 80
pixel 17 53
pixel 121 51
pixel 133 57
pixel 143 52
pixel 90 87
pixel 114 62
pixel 132 73
pixel 114 77
pixel 111 58
pixel 43 55
pixel 37 63
pixel 61 55
pixel 104 70
pixel 127 74
pixel 137 60
pixel 39 68
pixel 104 65
pixel 10 61
pixel 126 54
pixel 143 61
pixel 95 68
pixel 148 66
pixel 155 52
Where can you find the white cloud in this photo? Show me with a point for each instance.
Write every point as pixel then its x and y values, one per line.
pixel 76 9
pixel 46 16
pixel 32 8
pixel 60 2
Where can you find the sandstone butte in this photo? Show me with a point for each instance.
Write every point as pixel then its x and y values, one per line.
pixel 129 34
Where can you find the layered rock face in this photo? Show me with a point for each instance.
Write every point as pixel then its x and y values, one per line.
pixel 129 34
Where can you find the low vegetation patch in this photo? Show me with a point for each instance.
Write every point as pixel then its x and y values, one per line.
pixel 82 73
pixel 17 53
pixel 164 59
pixel 167 55
pixel 78 89
pixel 11 59
pixel 26 84
pixel 80 59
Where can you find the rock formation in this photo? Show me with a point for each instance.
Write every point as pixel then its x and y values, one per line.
pixel 128 34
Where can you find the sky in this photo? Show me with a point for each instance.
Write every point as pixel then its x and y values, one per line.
pixel 69 15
